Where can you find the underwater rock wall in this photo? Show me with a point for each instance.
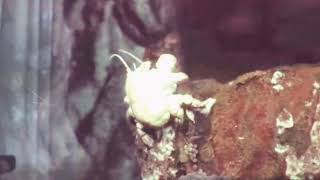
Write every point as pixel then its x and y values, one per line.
pixel 264 125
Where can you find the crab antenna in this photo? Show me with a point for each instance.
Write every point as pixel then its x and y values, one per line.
pixel 122 61
pixel 131 55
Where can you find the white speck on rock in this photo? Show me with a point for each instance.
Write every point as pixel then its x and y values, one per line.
pixel 316 85
pixel 278 87
pixel 191 150
pixel 275 80
pixel 316 88
pixel 280 149
pixel 307 104
pixel 173 171
pixel 309 162
pixel 284 121
pixel 315 133
pixel 165 147
pixel 276 76
pixel 294 170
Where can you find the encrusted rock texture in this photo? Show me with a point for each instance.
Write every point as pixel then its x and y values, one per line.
pixel 247 119
pixel 265 125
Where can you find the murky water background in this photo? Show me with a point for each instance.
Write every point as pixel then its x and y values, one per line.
pixel 61 108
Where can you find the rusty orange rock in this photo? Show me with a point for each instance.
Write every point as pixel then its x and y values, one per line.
pixel 244 122
pixel 265 125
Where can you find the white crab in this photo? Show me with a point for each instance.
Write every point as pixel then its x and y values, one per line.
pixel 150 92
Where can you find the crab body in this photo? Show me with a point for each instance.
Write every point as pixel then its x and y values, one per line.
pixel 150 94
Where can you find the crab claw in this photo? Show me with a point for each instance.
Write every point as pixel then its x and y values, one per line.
pixel 190 116
pixel 208 104
pixel 179 77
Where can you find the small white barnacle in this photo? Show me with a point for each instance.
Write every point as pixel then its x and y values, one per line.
pixel 316 88
pixel 284 121
pixel 307 104
pixel 281 149
pixel 275 81
pixel 162 150
pixel 294 167
pixel 315 133
pixel 191 150
pixel 316 85
pixel 276 77
pixel 278 87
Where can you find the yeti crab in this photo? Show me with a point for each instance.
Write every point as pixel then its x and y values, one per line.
pixel 150 93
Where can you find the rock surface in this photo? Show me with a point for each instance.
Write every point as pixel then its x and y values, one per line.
pixel 253 122
pixel 256 130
